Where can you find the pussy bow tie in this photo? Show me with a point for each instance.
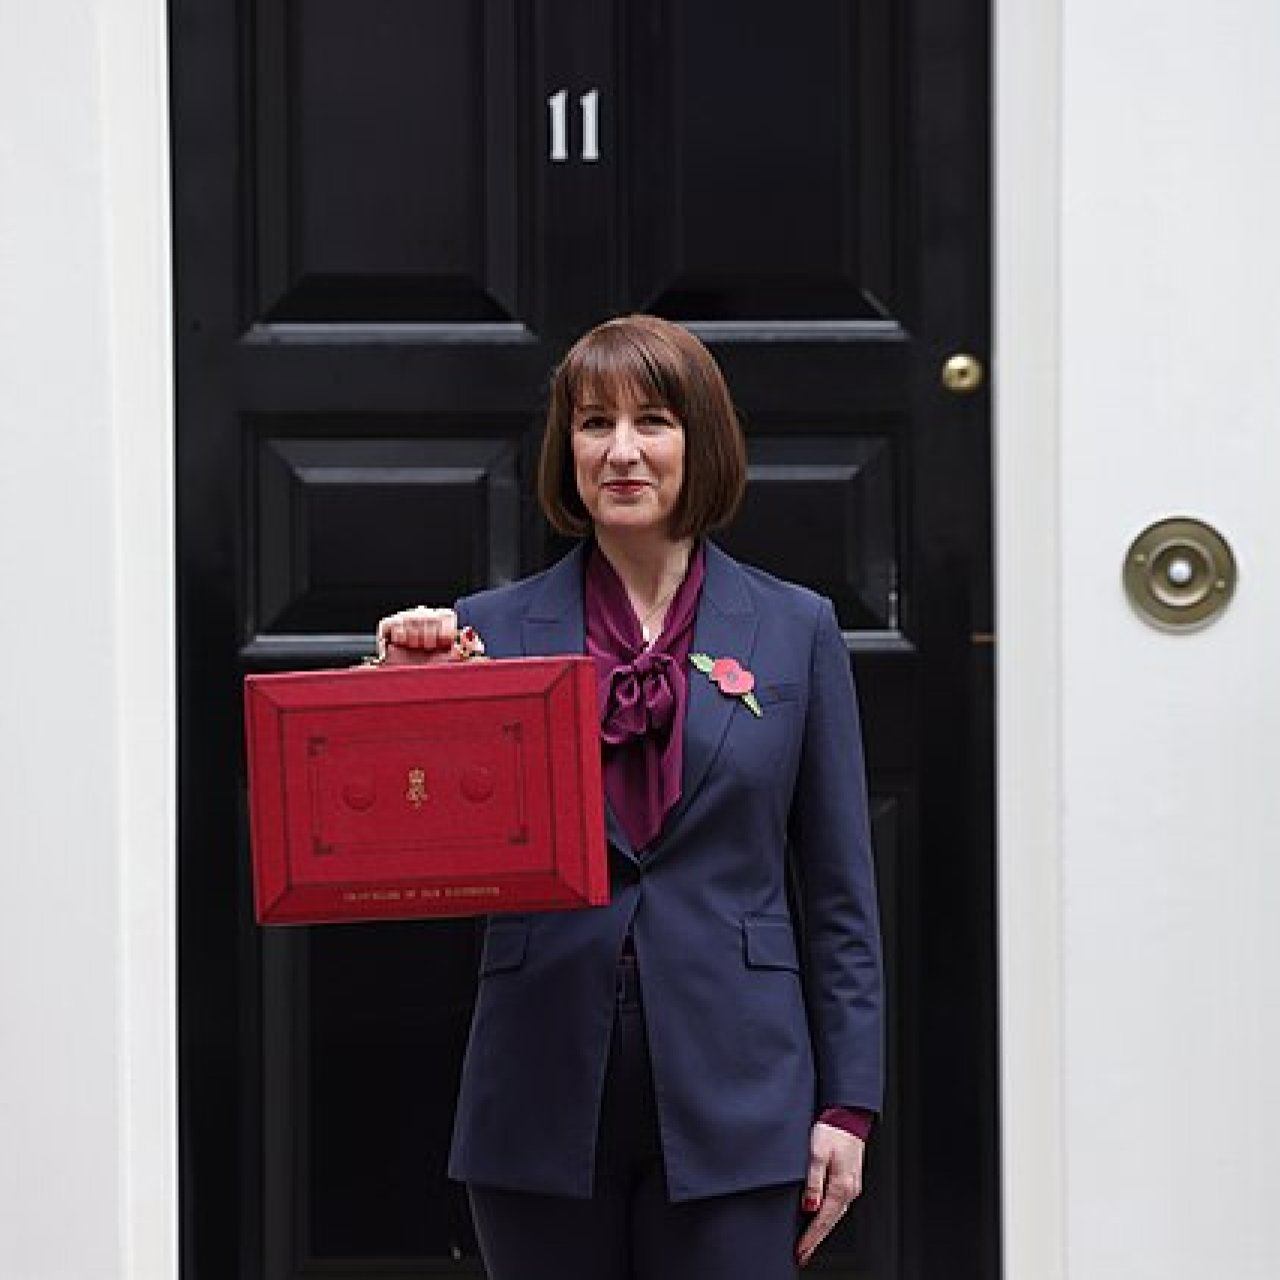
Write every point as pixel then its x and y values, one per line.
pixel 639 699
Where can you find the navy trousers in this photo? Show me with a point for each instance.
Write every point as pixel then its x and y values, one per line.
pixel 629 1230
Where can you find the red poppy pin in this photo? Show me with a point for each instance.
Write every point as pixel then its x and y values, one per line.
pixel 730 677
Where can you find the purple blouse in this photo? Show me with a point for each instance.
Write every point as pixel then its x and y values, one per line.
pixel 643 691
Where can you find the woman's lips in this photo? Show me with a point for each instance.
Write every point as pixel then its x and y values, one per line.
pixel 625 488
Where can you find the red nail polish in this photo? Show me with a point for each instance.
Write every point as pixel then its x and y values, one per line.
pixel 811 1204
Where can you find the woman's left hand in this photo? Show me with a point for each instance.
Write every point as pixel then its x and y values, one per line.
pixel 833 1184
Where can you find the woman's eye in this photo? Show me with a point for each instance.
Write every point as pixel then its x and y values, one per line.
pixel 594 424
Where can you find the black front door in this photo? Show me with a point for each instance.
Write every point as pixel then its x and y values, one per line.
pixel 391 217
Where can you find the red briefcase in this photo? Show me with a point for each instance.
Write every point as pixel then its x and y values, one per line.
pixel 445 790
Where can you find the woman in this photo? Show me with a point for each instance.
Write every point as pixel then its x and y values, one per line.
pixel 650 1089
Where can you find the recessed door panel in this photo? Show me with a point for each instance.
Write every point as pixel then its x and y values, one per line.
pixel 766 192
pixel 373 134
pixel 820 509
pixel 351 528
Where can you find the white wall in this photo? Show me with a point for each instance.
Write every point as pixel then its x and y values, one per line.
pixel 86 914
pixel 1141 956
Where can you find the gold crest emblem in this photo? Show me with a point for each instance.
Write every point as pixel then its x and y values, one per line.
pixel 416 793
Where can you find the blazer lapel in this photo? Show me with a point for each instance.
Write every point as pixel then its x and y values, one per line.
pixel 725 627
pixel 555 623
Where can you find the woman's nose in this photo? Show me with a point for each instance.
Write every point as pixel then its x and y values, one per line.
pixel 624 443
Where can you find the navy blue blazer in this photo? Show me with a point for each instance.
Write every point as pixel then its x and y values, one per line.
pixel 753 1022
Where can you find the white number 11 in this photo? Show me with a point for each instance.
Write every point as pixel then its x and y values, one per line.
pixel 557 106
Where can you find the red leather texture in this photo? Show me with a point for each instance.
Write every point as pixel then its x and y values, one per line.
pixel 449 789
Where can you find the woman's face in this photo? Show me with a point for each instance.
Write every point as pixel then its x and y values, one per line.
pixel 628 459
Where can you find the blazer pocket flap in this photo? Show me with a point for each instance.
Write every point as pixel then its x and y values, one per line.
pixel 505 944
pixel 770 943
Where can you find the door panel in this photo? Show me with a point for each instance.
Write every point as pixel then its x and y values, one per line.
pixel 346 526
pixel 391 219
pixel 360 1084
pixel 358 112
pixel 834 496
pixel 767 192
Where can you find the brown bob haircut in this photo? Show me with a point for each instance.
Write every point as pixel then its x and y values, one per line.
pixel 649 361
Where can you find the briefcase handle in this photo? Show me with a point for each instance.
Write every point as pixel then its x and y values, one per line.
pixel 467 647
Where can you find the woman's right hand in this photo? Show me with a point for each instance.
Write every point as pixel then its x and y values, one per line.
pixel 420 635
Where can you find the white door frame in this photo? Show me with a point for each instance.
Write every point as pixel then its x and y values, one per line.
pixel 88 1177
pixel 1026 434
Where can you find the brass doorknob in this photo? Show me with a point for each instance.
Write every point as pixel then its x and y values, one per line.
pixel 962 373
